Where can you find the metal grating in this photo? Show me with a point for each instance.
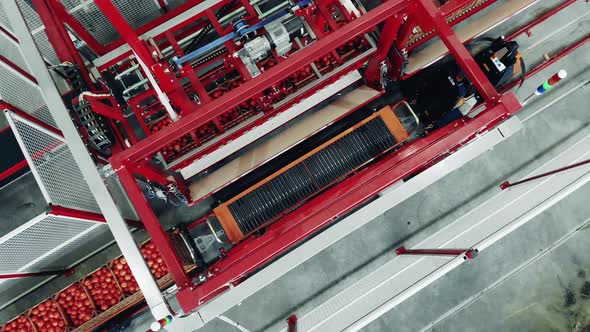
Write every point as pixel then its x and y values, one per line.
pixel 42 241
pixel 289 188
pixel 45 47
pixel 31 16
pixel 36 26
pixel 53 165
pixel 175 3
pixel 10 50
pixel 136 12
pixel 22 93
pixel 4 23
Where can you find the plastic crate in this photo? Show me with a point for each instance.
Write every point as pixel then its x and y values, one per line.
pixel 124 275
pixel 101 296
pixel 24 319
pixel 42 321
pixel 72 312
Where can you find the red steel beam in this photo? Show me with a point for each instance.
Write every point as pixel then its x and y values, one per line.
pixel 146 147
pixel 162 72
pixel 386 41
pixel 73 213
pixel 13 170
pixel 65 17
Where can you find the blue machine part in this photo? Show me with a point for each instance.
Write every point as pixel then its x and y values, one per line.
pixel 240 29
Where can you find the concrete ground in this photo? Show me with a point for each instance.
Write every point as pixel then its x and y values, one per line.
pixel 535 279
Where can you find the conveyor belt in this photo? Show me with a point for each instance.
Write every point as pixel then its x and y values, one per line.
pixel 287 188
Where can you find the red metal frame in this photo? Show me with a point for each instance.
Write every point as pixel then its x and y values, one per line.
pixel 65 17
pixel 254 252
pixel 73 213
pixel 59 38
pixel 191 121
pixel 321 211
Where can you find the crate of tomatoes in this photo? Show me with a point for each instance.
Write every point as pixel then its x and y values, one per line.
pixel 154 260
pixel 21 323
pixel 77 304
pixel 48 316
pixel 103 288
pixel 124 275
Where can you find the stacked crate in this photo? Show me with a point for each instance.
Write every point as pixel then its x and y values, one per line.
pixel 93 300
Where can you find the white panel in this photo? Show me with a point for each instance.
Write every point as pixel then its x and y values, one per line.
pixel 52 163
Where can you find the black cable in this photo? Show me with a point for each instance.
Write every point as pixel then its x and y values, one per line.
pixel 220 13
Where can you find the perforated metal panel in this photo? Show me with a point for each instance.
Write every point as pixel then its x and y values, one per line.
pixel 31 16
pixel 24 94
pixel 9 49
pixel 53 165
pixel 43 241
pixel 136 12
pixel 45 47
pixel 4 21
pixel 36 26
pixel 175 3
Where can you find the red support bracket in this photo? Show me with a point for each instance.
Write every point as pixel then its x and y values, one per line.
pixel 386 41
pixel 467 253
pixel 104 109
pixel 292 323
pixel 507 184
pixel 59 37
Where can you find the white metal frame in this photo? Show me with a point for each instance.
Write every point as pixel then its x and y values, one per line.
pixel 115 221
pixel 10 117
